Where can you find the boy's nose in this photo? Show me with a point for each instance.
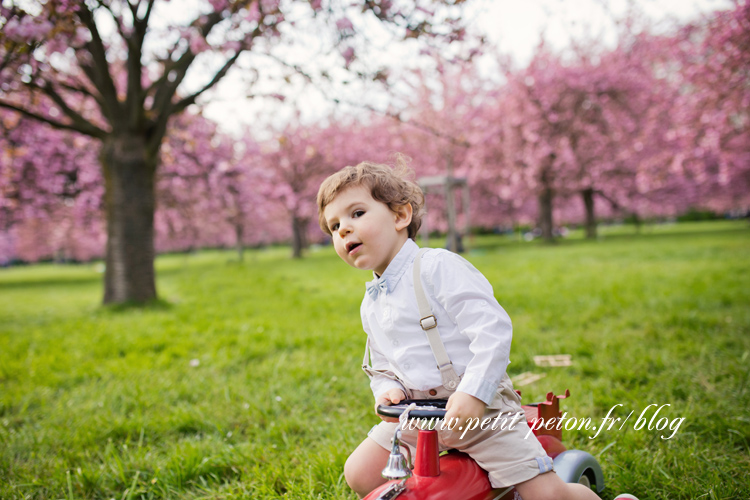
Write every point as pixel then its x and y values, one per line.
pixel 344 229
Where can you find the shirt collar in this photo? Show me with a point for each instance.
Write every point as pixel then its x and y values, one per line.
pixel 399 264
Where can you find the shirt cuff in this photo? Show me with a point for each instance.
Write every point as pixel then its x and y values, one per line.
pixel 479 388
pixel 384 385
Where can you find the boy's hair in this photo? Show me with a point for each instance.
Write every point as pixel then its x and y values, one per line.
pixel 391 186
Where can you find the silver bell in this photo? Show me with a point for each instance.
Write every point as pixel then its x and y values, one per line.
pixel 397 466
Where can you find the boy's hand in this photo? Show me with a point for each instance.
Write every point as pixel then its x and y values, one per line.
pixel 392 397
pixel 463 407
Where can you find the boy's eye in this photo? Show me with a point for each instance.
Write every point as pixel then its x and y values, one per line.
pixel 335 227
pixel 358 213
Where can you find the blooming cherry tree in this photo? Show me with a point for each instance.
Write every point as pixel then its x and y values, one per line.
pixel 116 71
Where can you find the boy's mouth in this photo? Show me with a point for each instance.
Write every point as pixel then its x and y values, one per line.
pixel 351 246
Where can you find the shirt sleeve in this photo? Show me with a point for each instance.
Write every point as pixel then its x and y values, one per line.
pixel 468 299
pixel 382 378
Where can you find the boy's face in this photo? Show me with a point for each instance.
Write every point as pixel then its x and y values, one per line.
pixel 366 233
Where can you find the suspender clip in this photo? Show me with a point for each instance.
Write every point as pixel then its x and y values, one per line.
pixel 448 365
pixel 428 323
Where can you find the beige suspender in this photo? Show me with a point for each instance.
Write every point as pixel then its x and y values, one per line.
pixel 428 322
pixel 370 371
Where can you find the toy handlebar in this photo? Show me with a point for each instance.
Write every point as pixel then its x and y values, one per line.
pixel 426 408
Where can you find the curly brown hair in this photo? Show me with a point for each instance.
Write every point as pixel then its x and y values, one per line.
pixel 390 185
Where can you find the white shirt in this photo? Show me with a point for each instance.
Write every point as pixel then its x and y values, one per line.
pixel 475 329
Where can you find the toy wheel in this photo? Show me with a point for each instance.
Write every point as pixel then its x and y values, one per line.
pixel 577 466
pixel 585 478
pixel 426 408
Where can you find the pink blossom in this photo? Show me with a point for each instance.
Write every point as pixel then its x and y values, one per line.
pixel 344 24
pixel 270 6
pixel 253 13
pixel 197 43
pixel 348 55
pixel 27 29
pixel 219 5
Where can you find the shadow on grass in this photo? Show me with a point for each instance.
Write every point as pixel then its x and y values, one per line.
pixel 156 305
pixel 650 234
pixel 62 281
pixel 169 265
pixel 24 281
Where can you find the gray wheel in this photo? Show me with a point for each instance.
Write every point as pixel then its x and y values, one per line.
pixel 577 466
pixel 584 479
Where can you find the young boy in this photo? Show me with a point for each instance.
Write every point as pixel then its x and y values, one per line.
pixel 373 214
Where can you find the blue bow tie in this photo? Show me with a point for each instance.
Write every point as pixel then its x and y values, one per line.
pixel 376 286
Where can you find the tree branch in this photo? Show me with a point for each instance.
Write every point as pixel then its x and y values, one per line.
pixel 187 101
pixel 115 18
pixel 79 121
pixel 163 100
pixel 135 95
pixel 83 91
pixel 142 23
pixel 611 201
pixel 395 116
pixel 432 130
pixel 92 130
pixel 101 79
pixel 174 72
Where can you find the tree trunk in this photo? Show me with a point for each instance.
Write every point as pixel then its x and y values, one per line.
pixel 299 238
pixel 545 214
pixel 239 232
pixel 637 221
pixel 129 179
pixel 545 203
pixel 588 203
pixel 453 238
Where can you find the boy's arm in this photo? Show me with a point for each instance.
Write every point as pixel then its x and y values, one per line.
pixel 467 297
pixel 382 378
pixel 388 398
pixel 463 407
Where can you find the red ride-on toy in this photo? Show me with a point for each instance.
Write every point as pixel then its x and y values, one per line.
pixel 455 476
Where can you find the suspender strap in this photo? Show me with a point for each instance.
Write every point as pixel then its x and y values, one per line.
pixel 428 322
pixel 366 361
pixel 370 371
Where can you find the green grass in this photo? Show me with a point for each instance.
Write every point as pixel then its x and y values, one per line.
pixel 244 382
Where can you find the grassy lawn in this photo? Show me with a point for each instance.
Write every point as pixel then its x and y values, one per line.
pixel 245 381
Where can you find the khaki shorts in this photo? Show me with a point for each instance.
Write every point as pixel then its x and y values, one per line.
pixel 508 456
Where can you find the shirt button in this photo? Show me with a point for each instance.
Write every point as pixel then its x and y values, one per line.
pixel 394 342
pixel 433 392
pixel 407 366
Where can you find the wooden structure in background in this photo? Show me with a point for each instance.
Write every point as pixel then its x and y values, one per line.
pixel 448 184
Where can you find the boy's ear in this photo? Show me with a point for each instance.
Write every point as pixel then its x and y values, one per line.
pixel 403 216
